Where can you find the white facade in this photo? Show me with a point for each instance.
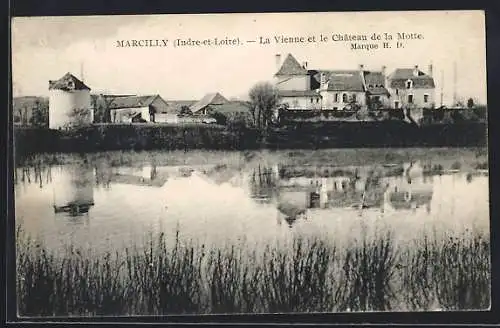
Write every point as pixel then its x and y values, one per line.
pixel 122 115
pixel 294 82
pixel 340 99
pixel 302 103
pixel 62 105
pixel 166 118
pixel 412 97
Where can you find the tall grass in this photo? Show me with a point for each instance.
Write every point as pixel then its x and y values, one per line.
pixel 309 274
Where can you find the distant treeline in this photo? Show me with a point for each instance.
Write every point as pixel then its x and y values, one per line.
pixel 378 134
pixel 198 136
pixel 103 137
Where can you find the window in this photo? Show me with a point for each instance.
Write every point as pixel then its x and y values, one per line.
pixel 354 97
pixel 336 97
pixel 397 92
pixel 426 98
pixel 317 100
pixel 408 84
pixel 344 97
pixel 370 86
pixel 396 104
pixel 311 100
pixel 410 99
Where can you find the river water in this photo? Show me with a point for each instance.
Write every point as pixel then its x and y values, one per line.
pixel 109 201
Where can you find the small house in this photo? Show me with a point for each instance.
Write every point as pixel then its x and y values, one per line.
pixel 132 109
pixel 201 107
pixel 410 87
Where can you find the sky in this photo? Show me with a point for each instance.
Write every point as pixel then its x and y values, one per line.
pixel 45 48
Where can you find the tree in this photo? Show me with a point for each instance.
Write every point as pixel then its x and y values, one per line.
pixel 185 111
pixel 40 115
pixel 79 117
pixel 470 103
pixel 264 99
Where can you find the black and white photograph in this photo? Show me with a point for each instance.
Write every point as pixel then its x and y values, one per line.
pixel 200 164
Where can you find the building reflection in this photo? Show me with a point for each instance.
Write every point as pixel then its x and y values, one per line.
pixel 296 190
pixel 74 189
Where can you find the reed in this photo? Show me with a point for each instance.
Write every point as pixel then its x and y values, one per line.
pixel 309 274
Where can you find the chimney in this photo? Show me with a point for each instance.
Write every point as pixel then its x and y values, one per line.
pixel 322 80
pixel 384 76
pixel 430 70
pixel 415 71
pixel 304 64
pixel 361 67
pixel 278 62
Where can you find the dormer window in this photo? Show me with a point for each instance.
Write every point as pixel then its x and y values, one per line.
pixel 409 84
pixel 71 84
pixel 370 86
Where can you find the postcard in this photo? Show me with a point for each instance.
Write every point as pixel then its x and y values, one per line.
pixel 250 163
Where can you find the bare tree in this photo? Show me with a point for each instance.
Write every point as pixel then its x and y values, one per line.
pixel 264 99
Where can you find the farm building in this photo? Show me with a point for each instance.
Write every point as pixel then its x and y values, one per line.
pixel 128 109
pixel 69 102
pixel 200 107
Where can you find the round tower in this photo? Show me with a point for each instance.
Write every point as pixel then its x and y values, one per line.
pixel 69 103
pixel 73 188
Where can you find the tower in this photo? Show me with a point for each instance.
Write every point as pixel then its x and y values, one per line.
pixel 67 95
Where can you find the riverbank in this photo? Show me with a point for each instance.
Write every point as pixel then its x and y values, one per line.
pixel 446 271
pixel 216 137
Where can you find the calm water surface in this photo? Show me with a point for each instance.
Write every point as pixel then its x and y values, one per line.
pixel 107 204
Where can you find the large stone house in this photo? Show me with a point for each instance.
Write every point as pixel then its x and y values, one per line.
pixel 317 89
pixel 411 88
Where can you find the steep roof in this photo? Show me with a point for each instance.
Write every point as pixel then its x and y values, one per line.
pixel 68 83
pixel 298 93
pixel 342 80
pixel 375 83
pixel 401 75
pixel 291 66
pixel 209 99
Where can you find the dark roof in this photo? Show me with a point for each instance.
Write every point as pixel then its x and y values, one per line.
pixel 131 101
pixel 375 83
pixel 209 99
pixel 291 66
pixel 232 107
pixel 298 93
pixel 342 80
pixel 68 83
pixel 175 106
pixel 399 77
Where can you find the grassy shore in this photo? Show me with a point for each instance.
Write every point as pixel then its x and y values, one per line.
pixel 449 271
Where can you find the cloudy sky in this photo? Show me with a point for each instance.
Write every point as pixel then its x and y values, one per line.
pixel 45 48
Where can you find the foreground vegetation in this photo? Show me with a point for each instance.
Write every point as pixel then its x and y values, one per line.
pixel 163 276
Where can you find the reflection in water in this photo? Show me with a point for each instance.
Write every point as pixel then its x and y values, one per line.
pixel 384 187
pixel 226 200
pixel 74 193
